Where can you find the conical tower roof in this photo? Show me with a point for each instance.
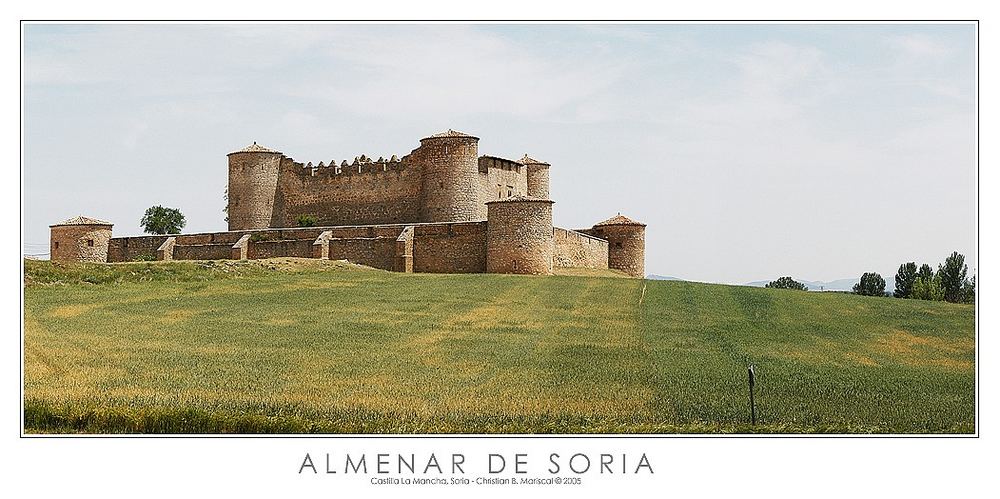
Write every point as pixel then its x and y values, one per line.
pixel 528 160
pixel 450 134
pixel 255 147
pixel 82 220
pixel 619 219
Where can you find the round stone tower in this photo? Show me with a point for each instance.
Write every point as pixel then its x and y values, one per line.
pixel 79 239
pixel 449 163
pixel 626 244
pixel 253 183
pixel 538 177
pixel 519 236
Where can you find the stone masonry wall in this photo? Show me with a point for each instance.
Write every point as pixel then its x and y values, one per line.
pixel 388 192
pixel 253 182
pixel 449 178
pixel 86 243
pixel 219 251
pixel 538 180
pixel 301 248
pixel 450 248
pixel 377 252
pixel 127 249
pixel 447 247
pixel 626 247
pixel 575 249
pixel 519 236
pixel 498 179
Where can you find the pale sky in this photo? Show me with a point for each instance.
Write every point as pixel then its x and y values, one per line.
pixel 751 151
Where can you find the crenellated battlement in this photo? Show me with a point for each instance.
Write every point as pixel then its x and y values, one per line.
pixel 358 166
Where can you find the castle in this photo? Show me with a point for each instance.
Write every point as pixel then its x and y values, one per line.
pixel 440 208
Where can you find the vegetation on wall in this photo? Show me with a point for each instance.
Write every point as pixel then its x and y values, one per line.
pixel 306 221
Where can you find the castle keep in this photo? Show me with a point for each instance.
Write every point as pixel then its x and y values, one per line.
pixel 440 208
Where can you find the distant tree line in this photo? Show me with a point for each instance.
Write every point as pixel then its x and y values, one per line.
pixel 949 283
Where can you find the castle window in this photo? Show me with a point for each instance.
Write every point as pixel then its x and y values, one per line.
pixel 57 244
pixel 618 245
pixel 510 190
pixel 90 242
pixel 499 191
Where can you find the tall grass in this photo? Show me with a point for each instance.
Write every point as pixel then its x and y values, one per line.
pixel 320 347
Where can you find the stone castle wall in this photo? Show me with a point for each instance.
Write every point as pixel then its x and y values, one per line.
pixel 626 247
pixel 449 178
pixel 538 180
pixel 575 249
pixel 519 236
pixel 130 249
pixel 380 193
pixel 500 178
pixel 456 248
pixel 443 180
pixel 253 183
pixel 439 248
pixel 83 243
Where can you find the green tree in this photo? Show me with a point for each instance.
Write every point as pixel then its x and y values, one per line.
pixel 160 220
pixel 969 291
pixel 927 288
pixel 952 275
pixel 905 276
pixel 872 284
pixel 925 271
pixel 786 283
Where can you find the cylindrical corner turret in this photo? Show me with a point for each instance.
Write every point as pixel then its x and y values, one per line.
pixel 538 177
pixel 253 184
pixel 79 239
pixel 519 236
pixel 449 163
pixel 626 244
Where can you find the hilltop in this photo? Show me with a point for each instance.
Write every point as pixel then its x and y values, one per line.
pixel 299 346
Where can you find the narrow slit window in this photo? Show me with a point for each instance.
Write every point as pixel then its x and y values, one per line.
pixel 90 242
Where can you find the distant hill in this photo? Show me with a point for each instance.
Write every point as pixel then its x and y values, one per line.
pixel 835 285
pixel 655 277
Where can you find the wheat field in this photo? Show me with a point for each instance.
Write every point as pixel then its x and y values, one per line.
pixel 308 346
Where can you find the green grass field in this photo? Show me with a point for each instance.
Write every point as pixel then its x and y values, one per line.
pixel 303 346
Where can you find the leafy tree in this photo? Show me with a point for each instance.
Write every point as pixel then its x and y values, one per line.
pixel 872 284
pixel 925 288
pixel 905 276
pixel 160 220
pixel 786 283
pixel 969 291
pixel 925 271
pixel 952 275
pixel 306 221
pixel 225 209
